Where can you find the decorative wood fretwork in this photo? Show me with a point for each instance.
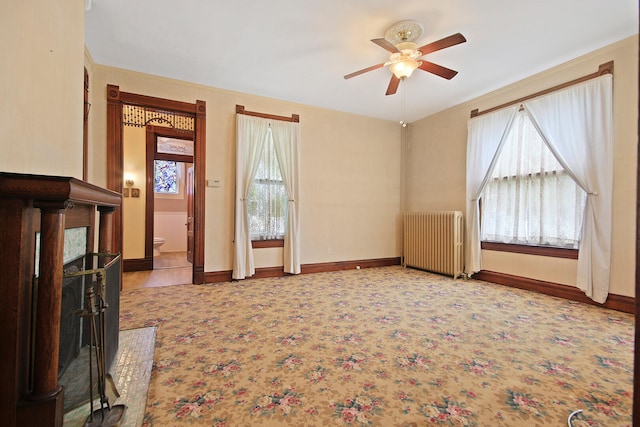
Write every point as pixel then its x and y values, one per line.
pixel 140 116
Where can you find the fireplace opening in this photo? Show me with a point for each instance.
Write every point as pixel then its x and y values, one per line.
pixel 75 350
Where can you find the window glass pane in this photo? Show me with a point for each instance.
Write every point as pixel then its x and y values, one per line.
pixel 166 177
pixel 268 200
pixel 530 199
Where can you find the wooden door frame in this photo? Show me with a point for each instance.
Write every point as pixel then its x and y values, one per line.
pixel 115 161
pixel 190 173
pixel 151 147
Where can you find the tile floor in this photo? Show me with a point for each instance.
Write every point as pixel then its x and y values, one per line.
pixel 131 373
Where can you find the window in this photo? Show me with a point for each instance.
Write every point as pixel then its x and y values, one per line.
pixel 166 177
pixel 268 200
pixel 530 199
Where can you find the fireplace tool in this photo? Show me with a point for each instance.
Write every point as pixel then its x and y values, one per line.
pixel 106 415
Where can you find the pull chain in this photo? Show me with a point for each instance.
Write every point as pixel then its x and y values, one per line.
pixel 403 96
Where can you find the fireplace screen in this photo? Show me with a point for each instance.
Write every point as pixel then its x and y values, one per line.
pixel 87 291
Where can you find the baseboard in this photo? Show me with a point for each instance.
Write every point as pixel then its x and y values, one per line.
pixel 137 264
pixel 614 302
pixel 225 276
pixel 217 276
pixel 348 265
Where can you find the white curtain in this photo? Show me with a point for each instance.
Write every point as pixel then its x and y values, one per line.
pixel 576 125
pixel 251 134
pixel 486 135
pixel 286 141
pixel 529 198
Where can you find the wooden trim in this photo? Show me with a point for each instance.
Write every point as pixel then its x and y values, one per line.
pixel 264 272
pixel 217 276
pixel 225 276
pixel 85 128
pixel 173 157
pixel 614 302
pixel 199 276
pixel 60 191
pixel 157 103
pixel 274 243
pixel 531 250
pixel 348 265
pixel 152 133
pixel 115 158
pixel 636 365
pixel 200 169
pixel 606 68
pixel 49 297
pixel 295 118
pixel 150 147
pixel 137 264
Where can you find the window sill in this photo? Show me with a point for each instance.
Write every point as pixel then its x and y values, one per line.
pixel 531 250
pixel 276 243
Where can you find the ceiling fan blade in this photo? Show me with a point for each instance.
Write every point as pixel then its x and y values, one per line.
pixel 393 85
pixel 364 70
pixel 438 70
pixel 442 43
pixel 386 44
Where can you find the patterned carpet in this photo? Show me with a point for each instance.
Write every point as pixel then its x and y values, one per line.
pixel 382 347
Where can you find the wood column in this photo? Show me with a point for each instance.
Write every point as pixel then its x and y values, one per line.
pixel 48 303
pixel 105 234
pixel 105 231
pixel 115 159
pixel 199 186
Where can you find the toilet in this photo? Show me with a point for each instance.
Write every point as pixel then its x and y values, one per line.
pixel 157 242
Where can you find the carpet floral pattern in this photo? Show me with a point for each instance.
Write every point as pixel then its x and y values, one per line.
pixel 382 347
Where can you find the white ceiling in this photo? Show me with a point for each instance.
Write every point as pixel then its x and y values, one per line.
pixel 299 50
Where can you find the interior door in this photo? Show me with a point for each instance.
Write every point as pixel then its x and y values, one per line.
pixel 190 215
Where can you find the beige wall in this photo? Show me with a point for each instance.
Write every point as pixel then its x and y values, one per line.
pixel 41 90
pixel 350 171
pixel 437 158
pixel 134 208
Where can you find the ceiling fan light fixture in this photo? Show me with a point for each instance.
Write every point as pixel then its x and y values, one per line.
pixel 404 67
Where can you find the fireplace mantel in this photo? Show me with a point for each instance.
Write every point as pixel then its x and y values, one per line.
pixel 29 333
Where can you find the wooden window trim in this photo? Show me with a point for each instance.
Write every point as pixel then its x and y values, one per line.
pixel 273 243
pixel 531 250
pixel 606 68
pixel 295 118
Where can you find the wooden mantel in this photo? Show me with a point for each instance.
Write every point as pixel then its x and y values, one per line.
pixel 29 385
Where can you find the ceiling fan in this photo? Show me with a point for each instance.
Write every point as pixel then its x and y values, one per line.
pixel 399 39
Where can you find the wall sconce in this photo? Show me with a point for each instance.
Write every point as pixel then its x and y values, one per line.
pixel 128 180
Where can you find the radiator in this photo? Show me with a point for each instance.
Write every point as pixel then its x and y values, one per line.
pixel 433 242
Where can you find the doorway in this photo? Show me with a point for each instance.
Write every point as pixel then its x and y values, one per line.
pixel 170 190
pixel 174 114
